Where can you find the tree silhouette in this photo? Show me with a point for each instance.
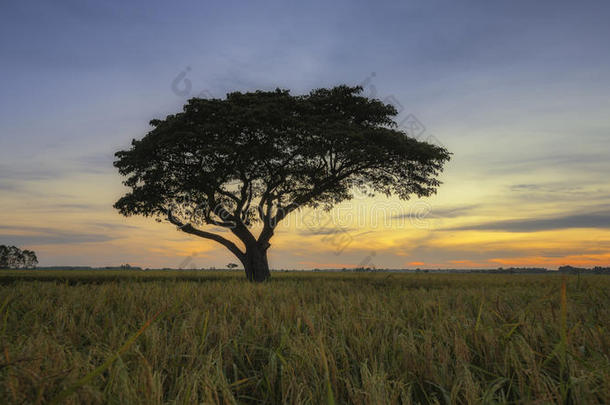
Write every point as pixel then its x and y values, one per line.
pixel 253 158
pixel 11 257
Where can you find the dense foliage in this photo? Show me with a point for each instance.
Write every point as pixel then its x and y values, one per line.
pixel 257 157
pixel 12 257
pixel 304 338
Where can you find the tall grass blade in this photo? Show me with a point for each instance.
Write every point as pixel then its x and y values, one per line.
pixel 100 369
pixel 563 347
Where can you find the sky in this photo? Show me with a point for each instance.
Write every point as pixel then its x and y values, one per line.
pixel 518 91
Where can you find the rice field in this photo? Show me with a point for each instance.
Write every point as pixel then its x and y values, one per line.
pixel 188 337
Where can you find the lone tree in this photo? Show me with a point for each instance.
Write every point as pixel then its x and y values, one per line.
pixel 256 157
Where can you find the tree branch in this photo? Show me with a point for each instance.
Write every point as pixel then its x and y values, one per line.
pixel 317 189
pixel 188 228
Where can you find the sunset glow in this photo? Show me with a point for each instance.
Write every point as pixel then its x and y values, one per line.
pixel 523 107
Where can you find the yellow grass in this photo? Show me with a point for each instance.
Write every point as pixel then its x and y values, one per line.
pixel 302 338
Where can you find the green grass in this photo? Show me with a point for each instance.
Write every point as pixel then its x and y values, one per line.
pixel 188 337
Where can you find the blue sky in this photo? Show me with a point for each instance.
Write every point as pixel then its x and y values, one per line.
pixel 517 90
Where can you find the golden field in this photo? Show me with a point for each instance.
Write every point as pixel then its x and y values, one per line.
pixel 199 337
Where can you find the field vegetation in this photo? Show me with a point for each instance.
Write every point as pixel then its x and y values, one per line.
pixel 188 337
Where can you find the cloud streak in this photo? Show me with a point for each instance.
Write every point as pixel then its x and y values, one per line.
pixel 325 231
pixel 599 220
pixel 63 238
pixel 32 235
pixel 441 213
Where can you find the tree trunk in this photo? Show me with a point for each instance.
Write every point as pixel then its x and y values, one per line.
pixel 255 263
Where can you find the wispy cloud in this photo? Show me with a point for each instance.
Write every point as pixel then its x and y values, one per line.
pixel 29 173
pixel 599 220
pixel 445 212
pixel 63 238
pixel 324 231
pixel 32 235
pixel 9 186
pixel 560 190
pixel 596 162
pixel 94 163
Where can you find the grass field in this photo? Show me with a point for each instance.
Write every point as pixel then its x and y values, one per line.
pixel 183 337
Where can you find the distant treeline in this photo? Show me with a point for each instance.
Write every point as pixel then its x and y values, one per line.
pixel 500 270
pixel 578 270
pixel 11 257
pixel 121 267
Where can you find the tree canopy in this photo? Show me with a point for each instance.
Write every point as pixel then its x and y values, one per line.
pixel 11 257
pixel 258 156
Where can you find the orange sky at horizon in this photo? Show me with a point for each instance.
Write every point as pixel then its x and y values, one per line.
pixel 382 233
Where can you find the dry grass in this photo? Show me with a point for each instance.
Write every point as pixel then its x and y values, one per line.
pixel 302 338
